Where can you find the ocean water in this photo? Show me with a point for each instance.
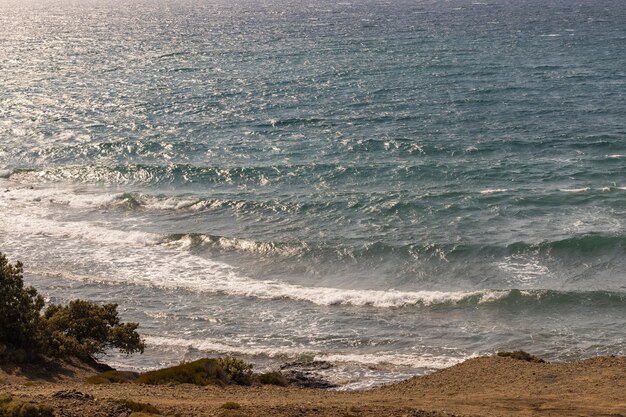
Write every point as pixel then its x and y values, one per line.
pixel 390 186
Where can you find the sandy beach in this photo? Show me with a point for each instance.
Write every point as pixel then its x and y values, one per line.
pixel 485 386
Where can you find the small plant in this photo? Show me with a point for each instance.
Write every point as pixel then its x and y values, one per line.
pixel 522 356
pixel 237 370
pixel 273 378
pixel 231 406
pixel 137 407
pixel 10 407
pixel 109 377
pixel 352 412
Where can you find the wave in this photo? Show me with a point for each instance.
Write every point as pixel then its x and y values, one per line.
pixel 315 174
pixel 156 260
pixel 381 358
pixel 584 244
pixel 347 177
pixel 589 244
pixel 149 259
pixel 391 203
pixel 121 150
pixel 187 174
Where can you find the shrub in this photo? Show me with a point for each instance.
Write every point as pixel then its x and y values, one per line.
pixel 521 355
pixel 237 370
pixel 137 407
pixel 273 378
pixel 85 329
pixel 10 407
pixel 19 308
pixel 82 328
pixel 201 372
pixel 230 405
pixel 221 371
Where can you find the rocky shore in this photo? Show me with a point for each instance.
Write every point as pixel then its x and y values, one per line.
pixel 485 386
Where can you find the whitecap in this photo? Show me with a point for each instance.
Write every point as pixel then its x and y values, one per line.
pixel 494 190
pixel 574 190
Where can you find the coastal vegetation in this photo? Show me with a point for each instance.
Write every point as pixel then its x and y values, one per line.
pixel 206 371
pixel 10 407
pixel 137 407
pixel 81 329
pixel 230 405
pixel 273 378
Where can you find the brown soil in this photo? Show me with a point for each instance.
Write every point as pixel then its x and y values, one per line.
pixel 487 386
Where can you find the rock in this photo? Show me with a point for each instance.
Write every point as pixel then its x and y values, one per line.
pixel 303 373
pixel 307 380
pixel 73 394
pixel 307 364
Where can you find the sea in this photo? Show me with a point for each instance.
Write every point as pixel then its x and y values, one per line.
pixel 385 187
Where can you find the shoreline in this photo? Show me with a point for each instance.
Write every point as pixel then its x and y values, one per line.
pixel 482 386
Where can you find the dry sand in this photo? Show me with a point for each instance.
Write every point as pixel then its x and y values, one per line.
pixel 486 386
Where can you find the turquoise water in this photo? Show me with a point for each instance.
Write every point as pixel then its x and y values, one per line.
pixel 391 186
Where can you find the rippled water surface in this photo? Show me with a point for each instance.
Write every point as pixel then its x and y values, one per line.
pixel 390 186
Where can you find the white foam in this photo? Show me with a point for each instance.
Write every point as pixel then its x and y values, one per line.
pixel 522 269
pixel 494 190
pixel 390 358
pixel 574 190
pixel 79 231
pixel 85 198
pixel 221 348
pixel 253 246
pixel 165 203
pixel 379 358
pixel 60 196
pixel 493 295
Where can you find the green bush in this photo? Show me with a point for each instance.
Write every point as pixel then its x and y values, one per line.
pixel 237 370
pixel 10 407
pixel 231 406
pixel 136 407
pixel 82 328
pixel 85 329
pixel 20 327
pixel 273 378
pixel 221 371
pixel 201 372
